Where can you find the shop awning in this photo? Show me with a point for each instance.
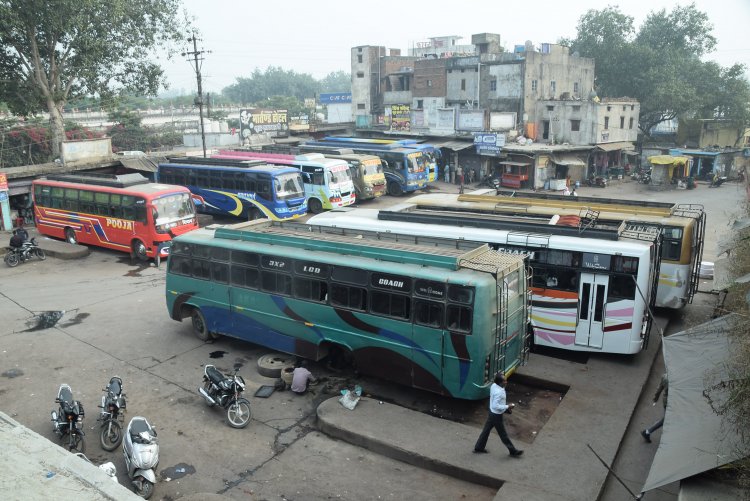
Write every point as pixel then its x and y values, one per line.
pixel 519 164
pixel 569 160
pixel 667 160
pixel 452 145
pixel 617 145
pixel 695 438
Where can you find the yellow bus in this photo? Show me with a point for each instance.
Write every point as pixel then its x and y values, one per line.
pixel 683 227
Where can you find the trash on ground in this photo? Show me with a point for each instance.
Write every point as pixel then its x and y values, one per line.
pixel 265 391
pixel 349 398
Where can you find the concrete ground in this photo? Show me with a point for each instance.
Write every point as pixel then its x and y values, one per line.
pixel 607 404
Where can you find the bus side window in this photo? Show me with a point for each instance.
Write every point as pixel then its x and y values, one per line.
pixel 458 318
pixel 264 189
pixel 428 313
pixel 348 297
pixel 621 287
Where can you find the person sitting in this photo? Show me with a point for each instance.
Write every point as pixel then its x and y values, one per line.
pixel 20 235
pixel 301 379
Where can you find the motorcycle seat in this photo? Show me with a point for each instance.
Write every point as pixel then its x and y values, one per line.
pixel 138 426
pixel 115 386
pixel 214 375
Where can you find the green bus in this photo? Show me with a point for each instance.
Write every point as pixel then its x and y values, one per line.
pixel 442 315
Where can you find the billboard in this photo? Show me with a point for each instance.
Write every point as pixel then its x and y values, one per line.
pixel 258 121
pixel 336 98
pixel 401 117
pixel 470 120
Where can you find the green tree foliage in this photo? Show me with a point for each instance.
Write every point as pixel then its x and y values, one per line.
pixel 28 143
pixel 336 81
pixel 128 133
pixel 660 65
pixel 55 50
pixel 275 81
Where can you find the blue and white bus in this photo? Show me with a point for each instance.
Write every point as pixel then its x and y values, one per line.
pixel 252 190
pixel 404 168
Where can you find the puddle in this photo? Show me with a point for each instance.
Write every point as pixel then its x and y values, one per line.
pixel 44 320
pixel 10 374
pixel 217 354
pixel 140 266
pixel 176 472
pixel 76 320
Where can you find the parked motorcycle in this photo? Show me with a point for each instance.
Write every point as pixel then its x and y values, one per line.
pixel 141 451
pixel 491 182
pixel 112 415
pixel 227 392
pixel 67 422
pixel 597 181
pixel 717 181
pixel 21 251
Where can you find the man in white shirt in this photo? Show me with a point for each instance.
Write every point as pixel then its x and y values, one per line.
pixel 498 407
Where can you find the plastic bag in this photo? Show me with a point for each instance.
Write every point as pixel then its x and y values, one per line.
pixel 349 399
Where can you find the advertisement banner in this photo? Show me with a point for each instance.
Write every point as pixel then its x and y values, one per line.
pixel 3 181
pixel 488 143
pixel 336 98
pixel 400 117
pixel 258 121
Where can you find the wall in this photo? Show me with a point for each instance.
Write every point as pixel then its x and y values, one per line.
pixel 722 135
pixel 508 95
pixel 462 69
pixel 592 118
pixel 339 113
pixel 365 78
pixel 86 149
pixel 429 78
pixel 558 66
pixel 212 139
pixel 615 109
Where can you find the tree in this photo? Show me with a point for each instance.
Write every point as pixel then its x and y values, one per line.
pixel 274 81
pixel 336 81
pixel 56 50
pixel 661 65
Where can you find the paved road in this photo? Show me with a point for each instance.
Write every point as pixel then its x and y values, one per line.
pixel 115 322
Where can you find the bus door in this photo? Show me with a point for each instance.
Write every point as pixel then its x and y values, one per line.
pixel 427 357
pixel 592 302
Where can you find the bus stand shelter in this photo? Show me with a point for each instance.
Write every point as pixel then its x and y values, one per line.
pixel 666 168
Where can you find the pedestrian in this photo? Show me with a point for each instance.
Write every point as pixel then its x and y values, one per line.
pixel 302 379
pixel 447 173
pixel 498 407
pixel 471 176
pixel 453 175
pixel 663 387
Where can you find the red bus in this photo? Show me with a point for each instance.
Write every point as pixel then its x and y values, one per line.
pixel 125 212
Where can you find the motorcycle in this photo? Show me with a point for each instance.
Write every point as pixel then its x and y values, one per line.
pixel 141 451
pixel 717 181
pixel 597 181
pixel 112 415
pixel 227 392
pixel 21 251
pixel 68 420
pixel 491 182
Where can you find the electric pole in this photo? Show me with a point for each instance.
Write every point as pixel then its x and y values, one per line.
pixel 197 62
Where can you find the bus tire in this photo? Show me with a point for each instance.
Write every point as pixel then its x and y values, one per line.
pixel 254 215
pixel 270 365
pixel 70 236
pixel 315 206
pixel 394 189
pixel 200 327
pixel 139 250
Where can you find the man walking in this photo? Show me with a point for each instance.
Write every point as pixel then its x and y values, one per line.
pixel 498 407
pixel 663 387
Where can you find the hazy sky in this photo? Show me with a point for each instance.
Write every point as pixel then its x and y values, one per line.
pixel 316 37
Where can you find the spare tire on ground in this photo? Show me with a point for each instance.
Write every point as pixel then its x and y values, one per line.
pixel 270 365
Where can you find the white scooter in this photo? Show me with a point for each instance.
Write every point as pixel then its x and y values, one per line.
pixel 141 451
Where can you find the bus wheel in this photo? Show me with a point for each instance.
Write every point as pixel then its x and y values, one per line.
pixel 254 214
pixel 199 325
pixel 315 206
pixel 139 250
pixel 394 189
pixel 70 236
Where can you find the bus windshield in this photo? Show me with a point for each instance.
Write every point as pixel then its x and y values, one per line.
pixel 372 166
pixel 340 174
pixel 289 186
pixel 416 162
pixel 174 206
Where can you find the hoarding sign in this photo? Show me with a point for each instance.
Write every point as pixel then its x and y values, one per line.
pixel 401 117
pixel 336 98
pixel 258 121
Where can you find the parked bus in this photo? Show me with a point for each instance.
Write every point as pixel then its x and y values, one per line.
pixel 366 170
pixel 442 315
pixel 431 154
pixel 249 190
pixel 328 183
pixel 591 291
pixel 125 213
pixel 404 168
pixel 683 227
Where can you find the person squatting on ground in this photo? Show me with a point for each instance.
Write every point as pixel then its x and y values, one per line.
pixel 498 407
pixel 663 386
pixel 301 379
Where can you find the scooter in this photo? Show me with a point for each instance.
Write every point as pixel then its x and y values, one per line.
pixel 716 182
pixel 141 451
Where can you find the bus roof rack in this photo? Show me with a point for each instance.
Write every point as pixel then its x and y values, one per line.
pixel 111 180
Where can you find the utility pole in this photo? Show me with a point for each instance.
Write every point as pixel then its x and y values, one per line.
pixel 197 62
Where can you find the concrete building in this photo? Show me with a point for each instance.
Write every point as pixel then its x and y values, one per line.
pixel 440 47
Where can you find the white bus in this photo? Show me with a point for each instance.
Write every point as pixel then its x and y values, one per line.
pixel 587 293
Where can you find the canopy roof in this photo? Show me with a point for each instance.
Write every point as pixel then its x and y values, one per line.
pixel 695 438
pixel 668 160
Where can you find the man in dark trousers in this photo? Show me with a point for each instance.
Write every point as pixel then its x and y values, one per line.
pixel 663 387
pixel 498 407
